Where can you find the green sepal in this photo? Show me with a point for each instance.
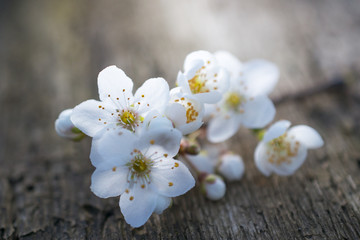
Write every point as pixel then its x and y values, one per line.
pixel 259 133
pixel 76 130
pixel 80 137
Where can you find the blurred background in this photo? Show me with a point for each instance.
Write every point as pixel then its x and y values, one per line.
pixel 52 51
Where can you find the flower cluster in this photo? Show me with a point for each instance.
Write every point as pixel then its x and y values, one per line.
pixel 150 146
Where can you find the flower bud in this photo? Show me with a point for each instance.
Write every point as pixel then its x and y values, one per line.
pixel 65 128
pixel 213 186
pixel 231 166
pixel 189 147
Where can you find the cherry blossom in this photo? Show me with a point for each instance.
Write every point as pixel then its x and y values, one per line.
pixel 118 107
pixel 246 102
pixel 203 78
pixel 140 169
pixel 65 128
pixel 185 112
pixel 283 150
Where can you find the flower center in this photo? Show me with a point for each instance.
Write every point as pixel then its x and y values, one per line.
pixel 280 150
pixel 128 117
pixel 140 165
pixel 197 83
pixel 234 100
pixel 191 114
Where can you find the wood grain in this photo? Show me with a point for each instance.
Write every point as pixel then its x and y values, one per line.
pixel 52 51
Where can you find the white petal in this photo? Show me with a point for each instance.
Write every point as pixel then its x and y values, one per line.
pixel 154 92
pixel 159 121
pixel 176 92
pixel 110 182
pixel 198 55
pixel 162 203
pixel 276 130
pixel 114 82
pixel 229 62
pixel 171 178
pixel 231 167
pixel 138 205
pixel 261 159
pixel 189 127
pixel 307 136
pixel 176 113
pixel 182 83
pixel 260 77
pixel 258 112
pixel 202 162
pixel 63 124
pixel 208 97
pixel 90 117
pixel 160 140
pixel 222 127
pixel 112 146
pixel 222 78
pixel 195 66
pixel 286 169
pixel 210 109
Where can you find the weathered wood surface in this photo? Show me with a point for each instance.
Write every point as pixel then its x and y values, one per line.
pixel 52 51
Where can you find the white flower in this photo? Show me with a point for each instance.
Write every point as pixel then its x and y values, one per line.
pixel 118 107
pixel 203 78
pixel 65 128
pixel 231 166
pixel 213 187
pixel 185 113
pixel 140 169
pixel 284 150
pixel 246 103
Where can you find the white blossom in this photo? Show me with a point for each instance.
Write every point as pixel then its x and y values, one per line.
pixel 246 102
pixel 283 150
pixel 139 168
pixel 65 128
pixel 118 107
pixel 231 166
pixel 203 78
pixel 213 187
pixel 185 112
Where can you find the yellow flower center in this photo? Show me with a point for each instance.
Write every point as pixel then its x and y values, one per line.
pixel 281 150
pixel 197 84
pixel 128 117
pixel 191 114
pixel 140 165
pixel 234 100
